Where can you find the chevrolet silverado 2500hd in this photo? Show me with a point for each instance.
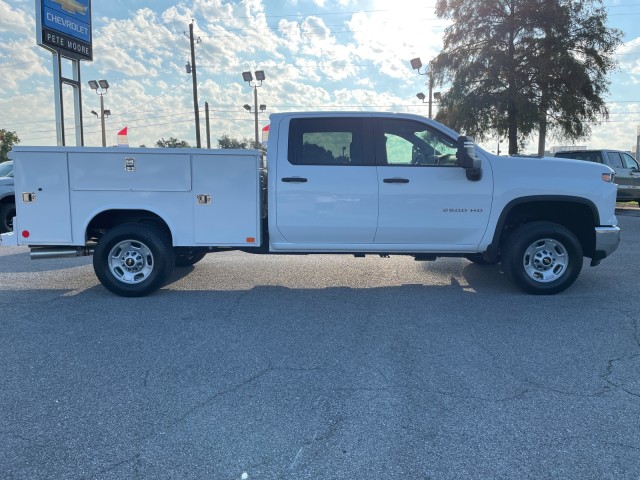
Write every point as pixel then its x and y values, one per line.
pixel 350 183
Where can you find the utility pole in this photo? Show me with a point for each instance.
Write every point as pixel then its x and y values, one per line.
pixel 195 82
pixel 206 117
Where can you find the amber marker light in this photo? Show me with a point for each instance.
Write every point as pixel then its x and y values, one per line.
pixel 608 177
pixel 250 240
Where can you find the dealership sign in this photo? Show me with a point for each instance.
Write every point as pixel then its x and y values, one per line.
pixel 65 27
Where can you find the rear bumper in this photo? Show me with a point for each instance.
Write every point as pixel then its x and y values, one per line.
pixel 607 241
pixel 8 239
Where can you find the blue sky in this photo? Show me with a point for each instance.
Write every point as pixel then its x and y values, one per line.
pixel 316 55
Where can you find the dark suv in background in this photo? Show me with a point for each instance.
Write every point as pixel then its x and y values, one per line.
pixel 7 197
pixel 626 168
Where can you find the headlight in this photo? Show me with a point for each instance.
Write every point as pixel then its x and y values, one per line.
pixel 608 177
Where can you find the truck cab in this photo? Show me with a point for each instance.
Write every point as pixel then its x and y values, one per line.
pixel 384 183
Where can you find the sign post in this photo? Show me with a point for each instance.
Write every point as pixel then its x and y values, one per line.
pixel 64 28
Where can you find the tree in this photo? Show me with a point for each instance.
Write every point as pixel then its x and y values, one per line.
pixel 172 142
pixel 575 55
pixel 229 142
pixel 7 140
pixel 519 65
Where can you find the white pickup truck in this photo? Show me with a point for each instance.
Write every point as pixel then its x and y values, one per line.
pixel 338 183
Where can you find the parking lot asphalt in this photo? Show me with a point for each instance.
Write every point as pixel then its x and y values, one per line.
pixel 320 367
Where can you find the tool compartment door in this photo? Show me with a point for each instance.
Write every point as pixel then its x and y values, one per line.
pixel 226 199
pixel 42 198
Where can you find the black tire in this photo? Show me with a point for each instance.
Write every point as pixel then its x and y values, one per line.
pixel 478 259
pixel 133 259
pixel 542 258
pixel 187 257
pixel 7 212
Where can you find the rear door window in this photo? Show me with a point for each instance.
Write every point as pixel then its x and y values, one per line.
pixel 328 141
pixel 615 160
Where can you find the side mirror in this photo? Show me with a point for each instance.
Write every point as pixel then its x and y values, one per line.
pixel 466 158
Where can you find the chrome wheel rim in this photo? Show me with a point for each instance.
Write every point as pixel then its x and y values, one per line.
pixel 131 261
pixel 545 260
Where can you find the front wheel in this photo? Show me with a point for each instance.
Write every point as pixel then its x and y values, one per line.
pixel 542 258
pixel 133 259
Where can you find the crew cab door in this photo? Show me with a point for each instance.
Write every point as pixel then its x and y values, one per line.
pixel 326 186
pixel 425 198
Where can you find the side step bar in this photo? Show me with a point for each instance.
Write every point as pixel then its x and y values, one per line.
pixel 40 253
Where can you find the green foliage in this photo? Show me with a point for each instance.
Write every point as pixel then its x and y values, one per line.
pixel 514 65
pixel 229 142
pixel 7 140
pixel 172 142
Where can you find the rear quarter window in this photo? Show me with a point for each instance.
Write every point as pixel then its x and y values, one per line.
pixel 594 157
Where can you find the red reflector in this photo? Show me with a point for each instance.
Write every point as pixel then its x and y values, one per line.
pixel 251 240
pixel 25 233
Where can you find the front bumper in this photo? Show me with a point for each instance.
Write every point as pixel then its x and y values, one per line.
pixel 607 241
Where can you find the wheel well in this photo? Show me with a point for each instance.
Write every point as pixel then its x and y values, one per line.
pixel 576 216
pixel 106 220
pixel 8 199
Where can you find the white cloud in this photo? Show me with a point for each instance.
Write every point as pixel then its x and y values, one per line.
pixel 15 20
pixel 333 59
pixel 629 57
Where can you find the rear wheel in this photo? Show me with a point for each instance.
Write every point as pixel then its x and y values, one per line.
pixel 542 258
pixel 133 259
pixel 7 212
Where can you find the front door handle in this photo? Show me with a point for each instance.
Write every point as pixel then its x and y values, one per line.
pixel 294 179
pixel 396 180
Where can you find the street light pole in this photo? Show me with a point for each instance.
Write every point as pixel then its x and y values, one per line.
pixel 416 64
pixel 255 111
pixel 104 135
pixel 101 87
pixel 248 77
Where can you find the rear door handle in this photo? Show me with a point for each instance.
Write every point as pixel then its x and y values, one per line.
pixel 396 180
pixel 294 179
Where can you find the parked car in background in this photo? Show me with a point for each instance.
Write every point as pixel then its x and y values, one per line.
pixel 624 165
pixel 7 197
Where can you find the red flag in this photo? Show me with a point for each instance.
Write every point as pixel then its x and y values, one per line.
pixel 123 141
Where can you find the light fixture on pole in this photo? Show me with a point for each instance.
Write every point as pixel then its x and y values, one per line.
pixel 416 64
pixel 248 77
pixel 101 87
